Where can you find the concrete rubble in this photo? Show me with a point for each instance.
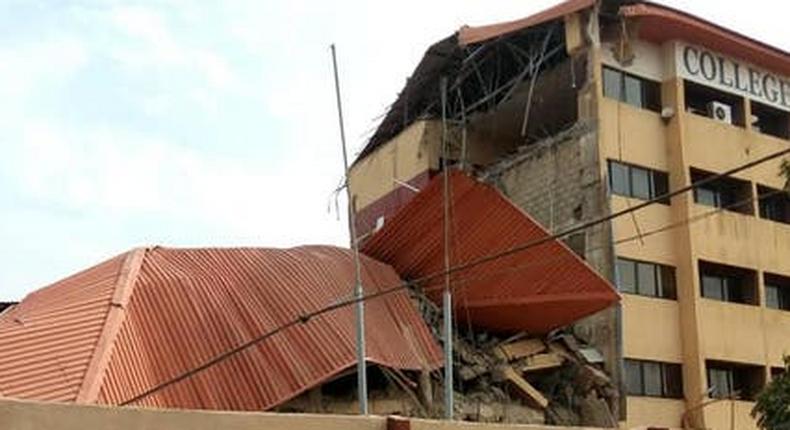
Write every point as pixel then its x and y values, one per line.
pixel 554 379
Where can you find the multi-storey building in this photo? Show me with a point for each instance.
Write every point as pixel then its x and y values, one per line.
pixel 590 108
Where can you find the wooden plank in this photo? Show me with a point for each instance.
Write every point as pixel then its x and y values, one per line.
pixel 544 361
pixel 520 349
pixel 530 393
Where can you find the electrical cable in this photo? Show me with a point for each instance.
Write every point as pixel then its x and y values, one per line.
pixel 304 318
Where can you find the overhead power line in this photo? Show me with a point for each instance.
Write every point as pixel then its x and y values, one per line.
pixel 304 318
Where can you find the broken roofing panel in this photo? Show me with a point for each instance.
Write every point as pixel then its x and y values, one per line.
pixel 537 290
pixel 461 57
pixel 469 35
pixel 174 309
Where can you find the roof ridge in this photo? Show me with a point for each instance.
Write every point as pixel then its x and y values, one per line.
pixel 124 286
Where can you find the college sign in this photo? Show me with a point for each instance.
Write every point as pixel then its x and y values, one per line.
pixel 715 70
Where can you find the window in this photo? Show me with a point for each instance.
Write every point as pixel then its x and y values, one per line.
pixel 725 193
pixel 646 279
pixel 727 284
pixel 637 182
pixel 654 379
pixel 774 204
pixel 734 381
pixel 777 292
pixel 699 99
pixel 635 91
pixel 770 121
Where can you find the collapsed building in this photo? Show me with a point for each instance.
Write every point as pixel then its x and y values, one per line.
pixel 270 329
pixel 592 107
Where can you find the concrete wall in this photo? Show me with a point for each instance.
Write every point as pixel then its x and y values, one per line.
pixel 17 415
pixel 558 183
pixel 414 151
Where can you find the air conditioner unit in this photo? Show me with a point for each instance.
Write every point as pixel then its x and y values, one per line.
pixel 720 112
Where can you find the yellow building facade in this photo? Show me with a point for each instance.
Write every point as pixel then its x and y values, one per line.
pixel 738 339
pixel 705 276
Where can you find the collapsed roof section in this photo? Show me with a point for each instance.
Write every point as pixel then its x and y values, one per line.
pixel 537 289
pixel 114 331
pixel 484 67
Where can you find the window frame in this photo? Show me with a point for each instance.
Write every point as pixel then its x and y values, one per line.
pixel 781 285
pixel 657 181
pixel 668 375
pixel 734 284
pixel 648 96
pixel 664 279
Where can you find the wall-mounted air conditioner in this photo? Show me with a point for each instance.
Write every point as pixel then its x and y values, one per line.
pixel 720 112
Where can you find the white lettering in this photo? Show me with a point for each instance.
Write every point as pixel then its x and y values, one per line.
pixel 727 74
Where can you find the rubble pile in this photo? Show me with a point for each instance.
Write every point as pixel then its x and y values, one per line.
pixel 553 380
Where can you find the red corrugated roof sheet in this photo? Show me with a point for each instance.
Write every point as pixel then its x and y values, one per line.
pixel 47 340
pixel 468 35
pixel 174 309
pixel 537 290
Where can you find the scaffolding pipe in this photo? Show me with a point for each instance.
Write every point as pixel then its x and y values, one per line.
pixel 362 379
pixel 447 298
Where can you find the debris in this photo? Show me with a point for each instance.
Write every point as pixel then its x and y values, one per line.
pixel 545 361
pixel 520 349
pixel 523 379
pixel 530 393
pixel 591 355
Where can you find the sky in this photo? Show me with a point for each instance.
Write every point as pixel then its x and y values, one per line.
pixel 208 123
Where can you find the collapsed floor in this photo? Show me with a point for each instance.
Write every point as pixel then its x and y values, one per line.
pixel 555 379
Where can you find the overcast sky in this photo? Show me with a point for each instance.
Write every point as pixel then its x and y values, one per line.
pixel 206 123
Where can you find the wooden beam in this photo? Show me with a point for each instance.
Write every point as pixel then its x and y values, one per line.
pixel 520 349
pixel 544 361
pixel 530 393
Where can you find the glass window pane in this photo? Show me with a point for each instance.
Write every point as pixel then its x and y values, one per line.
pixel 646 274
pixel 633 377
pixel 772 297
pixel 732 290
pixel 667 288
pixel 784 298
pixel 720 382
pixel 626 276
pixel 640 183
pixel 712 287
pixel 633 91
pixel 653 379
pixel 660 185
pixel 707 196
pixel 673 381
pixel 618 174
pixel 612 83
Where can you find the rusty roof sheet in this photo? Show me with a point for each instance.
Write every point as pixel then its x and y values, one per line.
pixel 537 290
pixel 140 319
pixel 468 35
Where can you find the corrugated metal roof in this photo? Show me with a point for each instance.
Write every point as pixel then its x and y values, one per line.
pixel 174 309
pixel 537 290
pixel 47 340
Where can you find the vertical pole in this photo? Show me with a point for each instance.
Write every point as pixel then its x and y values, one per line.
pixel 447 298
pixel 362 379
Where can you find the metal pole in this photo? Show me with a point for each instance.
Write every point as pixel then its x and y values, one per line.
pixel 447 298
pixel 362 378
